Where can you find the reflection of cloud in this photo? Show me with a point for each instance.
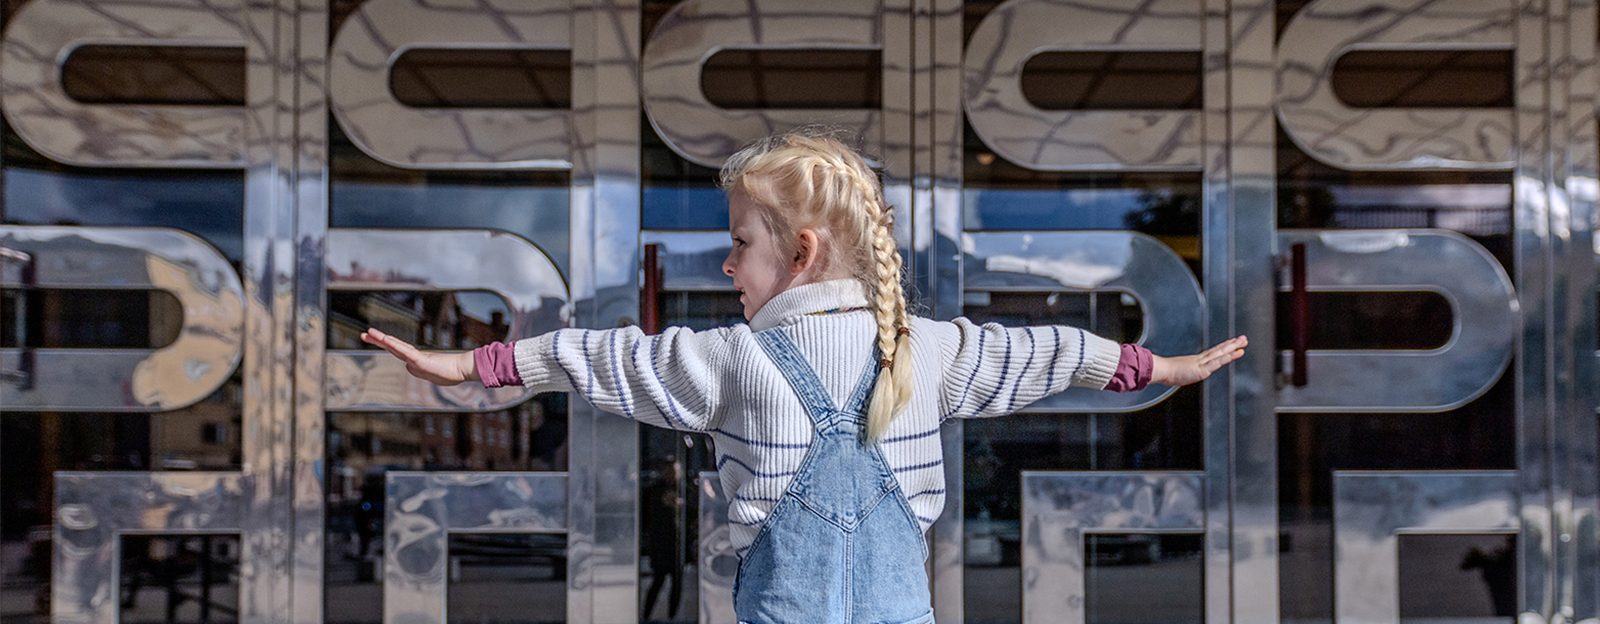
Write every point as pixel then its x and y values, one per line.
pixel 1073 272
pixel 537 213
pixel 208 204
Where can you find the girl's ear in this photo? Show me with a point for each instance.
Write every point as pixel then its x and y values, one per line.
pixel 805 252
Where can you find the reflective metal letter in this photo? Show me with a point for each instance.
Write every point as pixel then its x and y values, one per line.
pixel 1372 509
pixel 503 263
pixel 150 380
pixel 421 510
pixel 45 32
pixel 379 31
pixel 1058 508
pixel 1130 262
pixel 1482 301
pixel 1390 138
pixel 694 30
pixel 94 511
pixel 1016 31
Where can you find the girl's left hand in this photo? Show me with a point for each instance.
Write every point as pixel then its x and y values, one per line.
pixel 1188 369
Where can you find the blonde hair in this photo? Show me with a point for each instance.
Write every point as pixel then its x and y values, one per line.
pixel 809 179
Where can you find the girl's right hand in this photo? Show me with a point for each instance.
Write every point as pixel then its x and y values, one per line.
pixel 445 369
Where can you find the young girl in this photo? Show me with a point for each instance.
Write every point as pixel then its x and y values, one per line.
pixel 825 408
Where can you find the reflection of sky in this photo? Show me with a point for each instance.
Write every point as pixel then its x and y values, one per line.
pixel 693 208
pixel 481 304
pixel 209 204
pixel 537 213
pixel 1049 209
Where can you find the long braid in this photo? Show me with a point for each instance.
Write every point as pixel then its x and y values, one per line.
pixel 810 178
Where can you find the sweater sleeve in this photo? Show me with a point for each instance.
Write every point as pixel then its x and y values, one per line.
pixel 992 370
pixel 670 380
pixel 1133 370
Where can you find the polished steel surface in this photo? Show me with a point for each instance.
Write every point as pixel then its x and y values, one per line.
pixel 1390 137
pixel 368 260
pixel 203 357
pixel 373 38
pixel 1535 209
pixel 278 318
pixel 309 71
pixel 1059 508
pixel 1371 510
pixel 1574 88
pixel 93 512
pixel 43 33
pixel 423 508
pixel 1121 140
pixel 1127 262
pixel 1483 305
pixel 603 517
pixel 692 31
pixel 1241 242
pixel 718 562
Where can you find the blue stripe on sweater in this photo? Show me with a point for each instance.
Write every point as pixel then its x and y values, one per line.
pixel 1082 343
pixel 1011 405
pixel 1055 349
pixel 729 459
pixel 913 436
pixel 589 389
pixel 555 356
pixel 1005 368
pixel 974 376
pixel 926 493
pixel 672 404
pixel 616 378
pixel 933 464
pixel 759 443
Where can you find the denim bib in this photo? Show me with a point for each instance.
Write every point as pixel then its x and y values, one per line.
pixel 841 545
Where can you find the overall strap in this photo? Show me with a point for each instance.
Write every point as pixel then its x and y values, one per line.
pixel 857 403
pixel 806 385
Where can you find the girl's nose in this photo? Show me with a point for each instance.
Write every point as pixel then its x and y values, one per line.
pixel 727 264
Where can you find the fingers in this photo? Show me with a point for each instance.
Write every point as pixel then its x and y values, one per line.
pixel 400 348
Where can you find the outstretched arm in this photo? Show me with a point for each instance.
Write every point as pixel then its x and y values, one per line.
pixel 668 380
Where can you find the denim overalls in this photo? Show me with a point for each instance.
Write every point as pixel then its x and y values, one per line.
pixel 841 545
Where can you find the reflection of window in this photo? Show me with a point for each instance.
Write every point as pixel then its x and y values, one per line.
pixel 428 425
pixel 214 433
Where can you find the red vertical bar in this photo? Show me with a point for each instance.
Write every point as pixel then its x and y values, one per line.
pixel 1300 312
pixel 650 304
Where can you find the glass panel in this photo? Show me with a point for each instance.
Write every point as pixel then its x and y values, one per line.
pixel 178 580
pixel 1058 80
pixel 1144 577
pixel 457 78
pixel 484 568
pixel 125 74
pixel 1458 579
pixel 742 78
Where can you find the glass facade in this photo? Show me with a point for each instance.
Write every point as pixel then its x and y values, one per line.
pixel 205 202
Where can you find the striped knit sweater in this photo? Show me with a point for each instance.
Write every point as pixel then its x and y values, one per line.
pixel 720 382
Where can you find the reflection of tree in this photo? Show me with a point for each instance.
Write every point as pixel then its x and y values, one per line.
pixel 1165 213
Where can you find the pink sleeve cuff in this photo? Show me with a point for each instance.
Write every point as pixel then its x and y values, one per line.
pixel 497 366
pixel 1133 369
